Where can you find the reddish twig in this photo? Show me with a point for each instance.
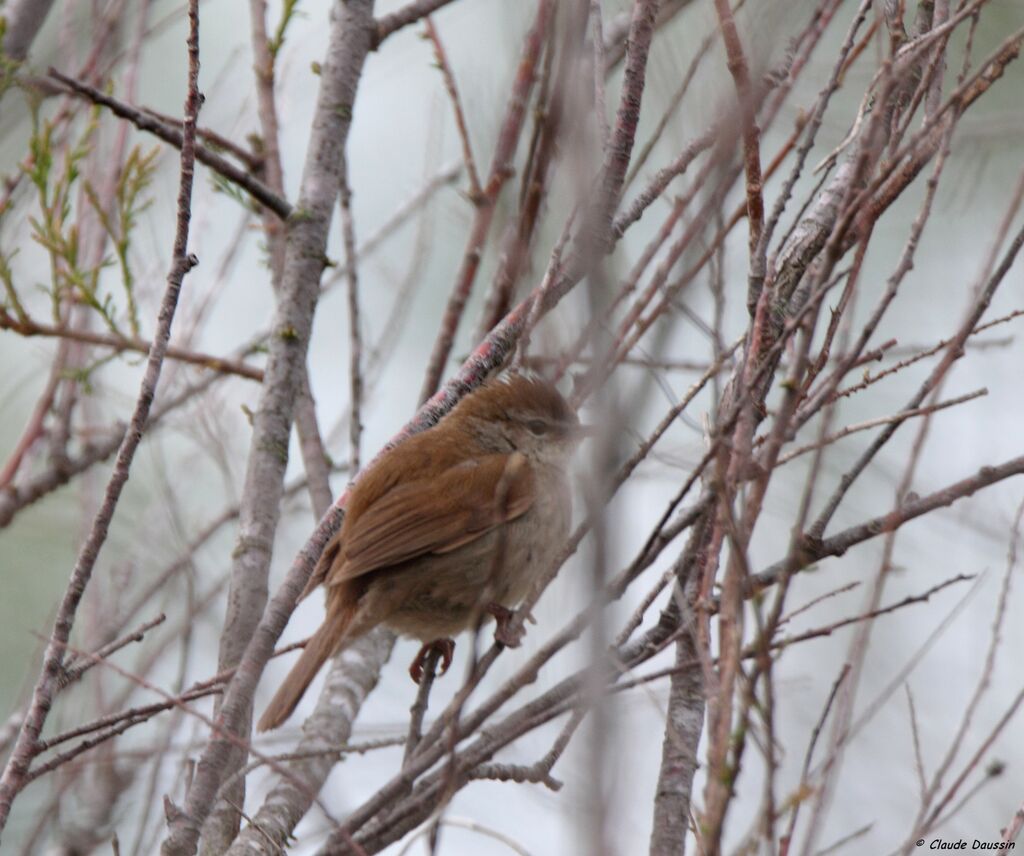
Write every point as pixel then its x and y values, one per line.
pixel 751 134
pixel 125 343
pixel 475 191
pixel 34 429
pixel 25 748
pixel 500 172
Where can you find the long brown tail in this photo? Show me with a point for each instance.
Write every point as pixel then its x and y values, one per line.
pixel 319 649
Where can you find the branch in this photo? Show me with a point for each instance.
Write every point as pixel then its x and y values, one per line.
pixel 306 243
pixel 813 550
pixel 126 343
pixel 145 121
pixel 679 760
pixel 351 677
pixel 26 747
pixel 17 497
pixel 405 16
pixel 23 20
pixel 475 190
pixel 486 203
pixel 751 134
pixel 867 425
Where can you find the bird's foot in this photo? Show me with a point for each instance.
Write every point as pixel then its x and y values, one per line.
pixel 444 647
pixel 505 633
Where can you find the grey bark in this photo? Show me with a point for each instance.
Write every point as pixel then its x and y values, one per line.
pixel 679 752
pixel 352 675
pixel 350 38
pixel 25 18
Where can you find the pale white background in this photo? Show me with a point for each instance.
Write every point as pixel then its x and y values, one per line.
pixel 401 134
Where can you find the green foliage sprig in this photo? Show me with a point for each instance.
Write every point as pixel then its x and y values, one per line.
pixel 135 177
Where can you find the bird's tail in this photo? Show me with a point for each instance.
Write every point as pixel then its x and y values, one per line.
pixel 319 649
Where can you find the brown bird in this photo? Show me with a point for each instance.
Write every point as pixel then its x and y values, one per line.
pixel 454 523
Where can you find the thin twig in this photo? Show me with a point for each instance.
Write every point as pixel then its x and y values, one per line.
pixel 25 749
pixel 146 122
pixel 137 345
pixel 475 190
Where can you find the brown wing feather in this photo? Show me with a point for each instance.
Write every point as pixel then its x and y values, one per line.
pixel 400 525
pixel 323 565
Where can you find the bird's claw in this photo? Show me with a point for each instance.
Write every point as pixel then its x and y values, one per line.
pixel 444 647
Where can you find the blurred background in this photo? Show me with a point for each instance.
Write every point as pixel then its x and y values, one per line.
pixel 190 470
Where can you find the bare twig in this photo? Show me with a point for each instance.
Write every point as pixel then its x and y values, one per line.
pixel 14 775
pixel 475 190
pixel 124 343
pixel 144 121
pixel 409 14
pixel 348 46
pixel 499 174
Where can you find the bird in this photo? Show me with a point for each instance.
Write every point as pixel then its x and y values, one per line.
pixel 453 524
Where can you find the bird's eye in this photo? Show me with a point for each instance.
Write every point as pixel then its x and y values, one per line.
pixel 537 426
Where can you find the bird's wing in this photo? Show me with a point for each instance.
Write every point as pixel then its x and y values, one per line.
pixel 323 566
pixel 417 518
